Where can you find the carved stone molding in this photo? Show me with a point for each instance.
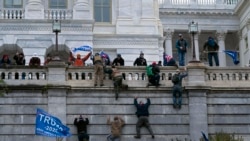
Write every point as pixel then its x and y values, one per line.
pixel 26 27
pixel 221 35
pixel 126 42
pixel 168 34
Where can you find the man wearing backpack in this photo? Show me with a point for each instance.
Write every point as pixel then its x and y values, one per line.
pixel 211 47
pixel 177 88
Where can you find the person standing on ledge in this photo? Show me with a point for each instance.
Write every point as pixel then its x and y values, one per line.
pixel 211 47
pixel 181 45
pixel 98 67
pixel 140 61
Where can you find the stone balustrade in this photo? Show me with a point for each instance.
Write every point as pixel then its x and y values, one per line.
pixel 190 3
pixel 134 76
pixel 12 13
pixel 58 14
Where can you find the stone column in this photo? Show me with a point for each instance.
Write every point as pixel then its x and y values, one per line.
pixel 196 44
pixel 34 9
pixel 221 35
pixel 197 89
pixel 161 49
pixel 241 50
pixel 168 42
pixel 248 43
pixel 81 10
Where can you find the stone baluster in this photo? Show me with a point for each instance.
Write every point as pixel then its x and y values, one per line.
pixel 221 35
pixel 12 75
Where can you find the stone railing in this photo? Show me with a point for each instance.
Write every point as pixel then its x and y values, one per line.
pixel 58 14
pixel 18 13
pixel 191 3
pixel 134 76
pixel 10 13
pixel 23 73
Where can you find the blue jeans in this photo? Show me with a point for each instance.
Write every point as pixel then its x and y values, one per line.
pixel 110 137
pixel 210 57
pixel 155 79
pixel 83 137
pixel 177 95
pixel 181 56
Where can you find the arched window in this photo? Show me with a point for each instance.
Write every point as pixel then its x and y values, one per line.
pixel 102 10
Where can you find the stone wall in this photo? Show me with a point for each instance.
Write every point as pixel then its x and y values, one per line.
pixel 227 111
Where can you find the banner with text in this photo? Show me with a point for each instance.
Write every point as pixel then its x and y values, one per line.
pixel 48 125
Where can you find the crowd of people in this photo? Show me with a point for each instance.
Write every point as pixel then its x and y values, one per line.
pixel 100 62
pixel 19 60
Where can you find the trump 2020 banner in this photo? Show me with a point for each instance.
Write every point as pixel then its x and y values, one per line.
pixel 48 125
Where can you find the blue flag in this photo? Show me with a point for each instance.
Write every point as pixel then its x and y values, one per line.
pixel 234 56
pixel 48 125
pixel 82 48
pixel 204 136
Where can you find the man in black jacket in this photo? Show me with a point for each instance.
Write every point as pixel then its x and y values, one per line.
pixel 81 124
pixel 142 114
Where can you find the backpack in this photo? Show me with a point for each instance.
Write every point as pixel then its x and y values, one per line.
pixel 149 71
pixel 175 78
pixel 211 42
pixel 97 58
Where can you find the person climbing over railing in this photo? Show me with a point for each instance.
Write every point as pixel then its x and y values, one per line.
pixel 177 88
pixel 117 80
